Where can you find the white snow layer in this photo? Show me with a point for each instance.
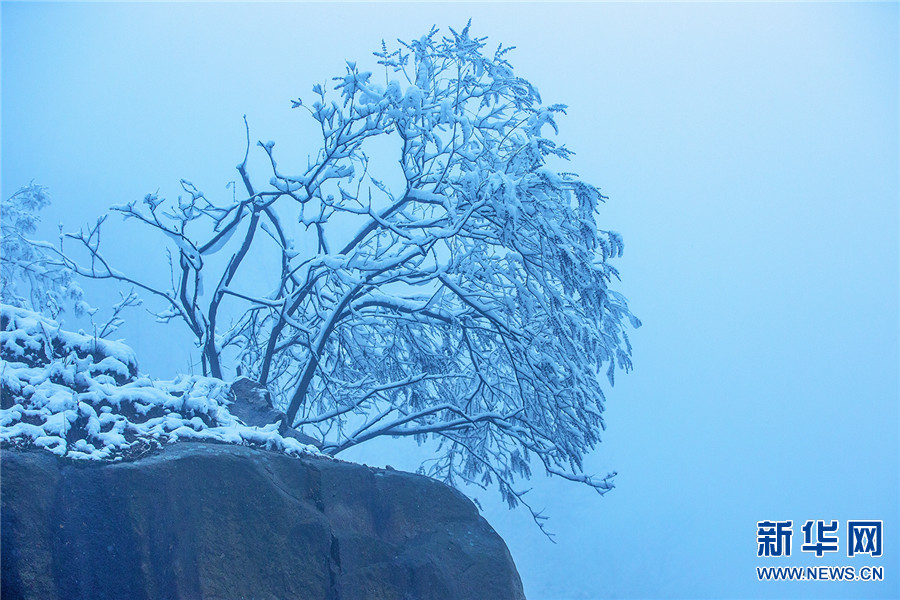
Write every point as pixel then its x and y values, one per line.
pixel 83 398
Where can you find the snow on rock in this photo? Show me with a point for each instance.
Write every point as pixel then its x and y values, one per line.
pixel 84 398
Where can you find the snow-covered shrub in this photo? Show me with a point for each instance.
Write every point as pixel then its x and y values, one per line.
pixel 84 398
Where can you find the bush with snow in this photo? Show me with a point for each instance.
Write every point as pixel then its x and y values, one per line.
pixel 84 398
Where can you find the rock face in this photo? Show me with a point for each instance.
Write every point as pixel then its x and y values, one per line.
pixel 217 521
pixel 252 403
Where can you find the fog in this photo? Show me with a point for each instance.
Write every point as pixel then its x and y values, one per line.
pixel 750 153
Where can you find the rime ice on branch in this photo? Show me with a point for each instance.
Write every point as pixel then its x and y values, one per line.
pixel 468 303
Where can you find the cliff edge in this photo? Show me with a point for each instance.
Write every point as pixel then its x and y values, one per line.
pixel 221 521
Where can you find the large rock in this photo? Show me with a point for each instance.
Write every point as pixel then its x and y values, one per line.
pixel 217 521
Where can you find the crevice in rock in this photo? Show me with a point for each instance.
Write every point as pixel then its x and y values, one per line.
pixel 334 569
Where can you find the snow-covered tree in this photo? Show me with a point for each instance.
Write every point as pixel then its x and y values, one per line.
pixel 33 277
pixel 30 275
pixel 462 297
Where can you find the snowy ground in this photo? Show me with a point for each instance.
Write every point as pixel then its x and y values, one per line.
pixel 84 398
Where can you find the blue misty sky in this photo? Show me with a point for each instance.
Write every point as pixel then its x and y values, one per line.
pixel 750 153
